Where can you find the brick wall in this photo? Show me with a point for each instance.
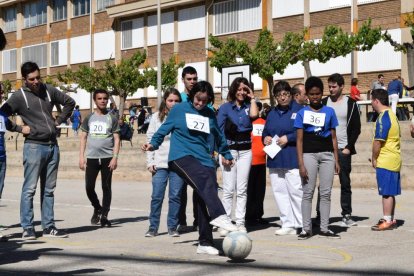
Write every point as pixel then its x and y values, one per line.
pixel 35 35
pixel 251 37
pixel 58 30
pixel 103 22
pixel 80 26
pixel 192 50
pixel 11 40
pixel 287 24
pixel 129 53
pixel 167 50
pixel 10 76
pixel 55 70
pixel 337 17
pixel 385 14
pixel 75 67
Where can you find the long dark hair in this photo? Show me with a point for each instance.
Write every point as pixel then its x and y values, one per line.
pixel 163 111
pixel 231 97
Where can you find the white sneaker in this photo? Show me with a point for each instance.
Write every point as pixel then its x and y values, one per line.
pixel 285 231
pixel 241 228
pixel 205 249
pixel 223 232
pixel 224 222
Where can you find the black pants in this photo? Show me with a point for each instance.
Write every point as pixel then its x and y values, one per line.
pixel 204 182
pixel 256 189
pixel 182 217
pixel 93 167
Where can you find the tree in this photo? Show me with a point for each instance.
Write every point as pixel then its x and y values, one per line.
pixel 6 88
pixel 405 47
pixel 169 73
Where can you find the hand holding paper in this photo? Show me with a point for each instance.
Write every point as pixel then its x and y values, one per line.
pixel 273 148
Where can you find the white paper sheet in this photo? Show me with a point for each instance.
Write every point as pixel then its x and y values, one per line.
pixel 273 148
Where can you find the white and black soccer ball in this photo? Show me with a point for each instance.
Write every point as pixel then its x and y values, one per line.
pixel 237 245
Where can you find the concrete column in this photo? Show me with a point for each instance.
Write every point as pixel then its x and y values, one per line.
pixel 49 20
pixel 92 30
pixel 354 29
pixel 19 27
pixel 146 47
pixel 209 30
pixel 267 22
pixel 407 7
pixel 69 6
pixel 117 29
pixel 306 24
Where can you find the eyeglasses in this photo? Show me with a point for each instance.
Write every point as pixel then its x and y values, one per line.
pixel 35 78
pixel 283 95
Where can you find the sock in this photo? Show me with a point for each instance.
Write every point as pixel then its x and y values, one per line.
pixel 387 218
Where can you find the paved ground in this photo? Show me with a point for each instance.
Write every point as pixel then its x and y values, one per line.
pixel 123 249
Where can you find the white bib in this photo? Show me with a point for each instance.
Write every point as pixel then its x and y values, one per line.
pixel 98 128
pixel 197 122
pixel 2 124
pixel 314 118
pixel 257 129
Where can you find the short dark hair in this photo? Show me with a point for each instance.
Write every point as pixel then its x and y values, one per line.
pixel 354 81
pixel 380 75
pixel 77 107
pixel 380 95
pixel 100 91
pixel 202 86
pixel 234 86
pixel 28 67
pixel 281 86
pixel 312 82
pixel 188 70
pixel 336 78
pixel 295 89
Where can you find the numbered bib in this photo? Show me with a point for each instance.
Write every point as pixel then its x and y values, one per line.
pixel 98 128
pixel 257 129
pixel 314 118
pixel 197 122
pixel 2 124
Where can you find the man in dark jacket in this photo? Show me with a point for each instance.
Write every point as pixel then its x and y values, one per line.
pixel 34 102
pixel 347 133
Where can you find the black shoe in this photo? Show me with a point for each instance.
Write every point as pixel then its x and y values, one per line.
pixel 329 234
pixel 105 221
pixel 151 233
pixel 262 221
pixel 53 232
pixel 317 221
pixel 29 234
pixel 96 217
pixel 304 235
pixel 173 233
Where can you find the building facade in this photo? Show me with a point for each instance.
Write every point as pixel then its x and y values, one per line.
pixel 61 34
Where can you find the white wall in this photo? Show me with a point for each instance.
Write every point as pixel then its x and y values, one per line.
pixel 104 45
pixel 282 8
pixel 167 28
pixel 191 23
pixel 80 47
pixel 82 98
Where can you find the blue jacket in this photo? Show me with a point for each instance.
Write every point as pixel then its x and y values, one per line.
pixel 280 123
pixel 185 142
pixel 239 116
pixel 395 87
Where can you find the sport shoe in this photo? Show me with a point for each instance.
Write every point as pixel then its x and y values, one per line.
pixel 53 232
pixel 151 233
pixel 384 225
pixel 96 217
pixel 224 222
pixel 3 227
pixel 173 233
pixel 223 232
pixel 205 249
pixel 348 222
pixel 329 234
pixel 29 234
pixel 304 235
pixel 285 231
pixel 241 228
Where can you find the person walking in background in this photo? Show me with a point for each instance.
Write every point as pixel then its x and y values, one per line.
pixel 76 120
pixel 395 89
pixel 317 151
pixel 355 93
pixel 283 168
pixel 386 158
pixel 34 102
pixel 191 124
pixel 235 121
pixel 299 94
pixel 100 138
pixel 157 165
pixel 256 187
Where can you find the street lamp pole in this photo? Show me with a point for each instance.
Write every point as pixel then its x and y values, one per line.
pixel 159 53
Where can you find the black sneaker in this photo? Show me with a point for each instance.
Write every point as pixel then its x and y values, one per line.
pixel 105 221
pixel 53 232
pixel 3 238
pixel 329 234
pixel 151 233
pixel 96 217
pixel 29 234
pixel 304 235
pixel 173 233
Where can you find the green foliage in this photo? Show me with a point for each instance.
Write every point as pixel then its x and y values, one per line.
pixel 409 22
pixel 169 73
pixel 6 89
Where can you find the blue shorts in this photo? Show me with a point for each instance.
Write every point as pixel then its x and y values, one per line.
pixel 389 182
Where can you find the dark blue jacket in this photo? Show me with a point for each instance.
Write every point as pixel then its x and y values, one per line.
pixel 280 123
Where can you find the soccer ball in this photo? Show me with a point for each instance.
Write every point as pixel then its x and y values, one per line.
pixel 237 245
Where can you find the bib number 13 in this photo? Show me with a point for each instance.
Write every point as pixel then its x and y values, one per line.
pixel 197 122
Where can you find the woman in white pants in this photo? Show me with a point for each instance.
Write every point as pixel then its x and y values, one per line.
pixel 283 168
pixel 235 120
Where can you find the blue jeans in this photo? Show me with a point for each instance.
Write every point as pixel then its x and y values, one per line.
pixel 39 161
pixel 2 175
pixel 159 184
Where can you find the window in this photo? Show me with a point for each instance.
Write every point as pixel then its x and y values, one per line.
pixel 59 10
pixel 35 13
pixel 81 7
pixel 36 54
pixel 9 61
pixel 54 53
pixel 132 33
pixel 9 19
pixel 126 29
pixel 236 16
pixel 102 4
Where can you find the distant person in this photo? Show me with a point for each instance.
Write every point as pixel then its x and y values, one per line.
pixel 190 124
pixel 355 93
pixel 299 94
pixel 395 89
pixel 76 120
pixel 34 103
pixel 379 83
pixel 386 158
pixel 100 138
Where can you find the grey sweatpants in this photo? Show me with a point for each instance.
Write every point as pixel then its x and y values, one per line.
pixel 324 164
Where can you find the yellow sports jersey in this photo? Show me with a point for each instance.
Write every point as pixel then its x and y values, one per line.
pixel 387 129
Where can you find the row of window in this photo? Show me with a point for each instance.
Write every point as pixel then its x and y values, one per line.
pixel 35 13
